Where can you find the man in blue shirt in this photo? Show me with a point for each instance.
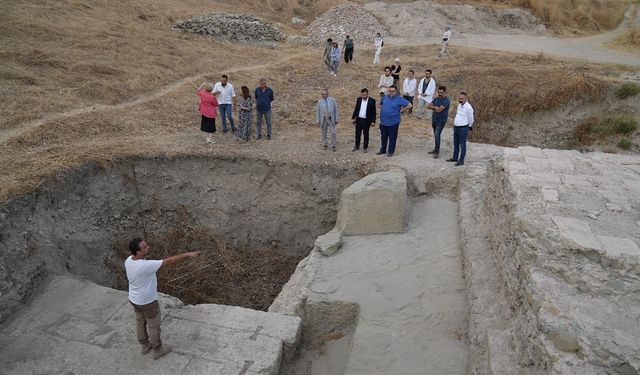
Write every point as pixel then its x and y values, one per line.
pixel 264 97
pixel 440 107
pixel 391 105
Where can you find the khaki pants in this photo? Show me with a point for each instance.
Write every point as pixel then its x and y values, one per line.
pixel 148 317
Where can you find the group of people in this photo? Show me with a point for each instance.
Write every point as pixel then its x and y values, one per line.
pixel 221 98
pixel 332 53
pixel 392 106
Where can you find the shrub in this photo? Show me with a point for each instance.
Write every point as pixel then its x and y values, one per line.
pixel 627 90
pixel 622 124
pixel 625 144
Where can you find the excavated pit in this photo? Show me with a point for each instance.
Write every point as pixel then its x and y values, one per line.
pixel 252 219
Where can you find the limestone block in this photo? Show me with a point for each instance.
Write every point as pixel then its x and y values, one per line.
pixel 550 195
pixel 616 246
pixel 375 204
pixel 576 232
pixel 532 151
pixel 328 243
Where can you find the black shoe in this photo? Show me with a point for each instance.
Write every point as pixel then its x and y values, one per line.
pixel 432 152
pixel 355 149
pixel 259 137
pixel 365 150
pixel 224 131
pixel 333 149
pixel 269 137
pixel 435 156
pixel 380 153
pixel 452 159
pixel 324 147
pixel 459 163
pixel 390 155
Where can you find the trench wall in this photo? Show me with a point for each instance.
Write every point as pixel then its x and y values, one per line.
pixel 72 224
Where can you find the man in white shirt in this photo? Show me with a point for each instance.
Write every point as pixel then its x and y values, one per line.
pixel 409 87
pixel 226 101
pixel 462 124
pixel 143 294
pixel 364 115
pixel 446 38
pixel 426 89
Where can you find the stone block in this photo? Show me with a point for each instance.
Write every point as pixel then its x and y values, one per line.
pixel 536 164
pixel 376 204
pixel 532 151
pixel 328 243
pixel 576 232
pixel 550 195
pixel 616 246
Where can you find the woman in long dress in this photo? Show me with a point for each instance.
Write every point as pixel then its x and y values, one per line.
pixel 378 43
pixel 208 109
pixel 246 105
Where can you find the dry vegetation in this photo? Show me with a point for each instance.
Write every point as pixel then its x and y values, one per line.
pixel 59 55
pixel 579 15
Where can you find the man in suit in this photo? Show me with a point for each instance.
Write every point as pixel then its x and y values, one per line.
pixel 327 118
pixel 364 115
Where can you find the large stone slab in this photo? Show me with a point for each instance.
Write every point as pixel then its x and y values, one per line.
pixel 376 204
pixel 76 326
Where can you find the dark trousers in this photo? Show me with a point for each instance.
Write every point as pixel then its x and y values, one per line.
pixel 410 100
pixel 437 131
pixel 362 126
pixel 348 55
pixel 388 134
pixel 460 142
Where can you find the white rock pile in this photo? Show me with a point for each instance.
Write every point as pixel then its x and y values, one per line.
pixel 344 20
pixel 231 27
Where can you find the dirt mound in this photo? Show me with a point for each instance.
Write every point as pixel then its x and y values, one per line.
pixel 232 27
pixel 344 20
pixel 428 19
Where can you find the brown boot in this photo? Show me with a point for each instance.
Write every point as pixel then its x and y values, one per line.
pixel 145 349
pixel 161 351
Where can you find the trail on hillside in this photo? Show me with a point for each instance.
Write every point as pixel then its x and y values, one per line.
pixel 7 134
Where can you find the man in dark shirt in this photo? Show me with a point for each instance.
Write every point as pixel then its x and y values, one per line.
pixel 440 107
pixel 395 71
pixel 348 49
pixel 264 97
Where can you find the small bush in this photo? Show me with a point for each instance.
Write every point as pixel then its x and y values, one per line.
pixel 622 124
pixel 627 90
pixel 625 144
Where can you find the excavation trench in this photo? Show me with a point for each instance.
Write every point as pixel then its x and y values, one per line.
pixel 253 220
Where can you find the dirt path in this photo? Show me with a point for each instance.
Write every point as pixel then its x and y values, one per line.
pixel 6 134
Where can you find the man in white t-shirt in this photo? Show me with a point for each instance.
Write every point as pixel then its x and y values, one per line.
pixel 226 102
pixel 143 294
pixel 426 88
pixel 409 87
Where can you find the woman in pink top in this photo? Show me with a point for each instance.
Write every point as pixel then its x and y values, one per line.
pixel 208 109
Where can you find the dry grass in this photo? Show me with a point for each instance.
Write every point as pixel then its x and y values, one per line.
pixel 102 52
pixel 630 40
pixel 587 15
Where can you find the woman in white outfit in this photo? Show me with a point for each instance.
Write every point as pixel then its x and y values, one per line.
pixel 378 43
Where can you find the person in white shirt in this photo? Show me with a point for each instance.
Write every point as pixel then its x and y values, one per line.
pixel 226 102
pixel 426 89
pixel 409 87
pixel 446 38
pixel 386 81
pixel 462 124
pixel 143 294
pixel 378 43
